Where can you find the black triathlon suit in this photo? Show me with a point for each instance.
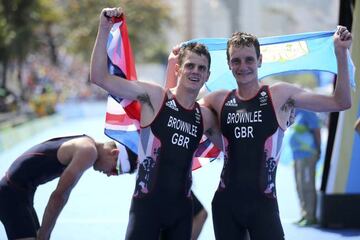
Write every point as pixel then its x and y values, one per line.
pixel 246 196
pixel 162 200
pixel 34 167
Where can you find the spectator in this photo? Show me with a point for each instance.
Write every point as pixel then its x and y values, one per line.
pixel 305 143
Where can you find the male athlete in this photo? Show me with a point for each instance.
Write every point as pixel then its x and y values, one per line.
pixel 172 124
pixel 252 119
pixel 64 157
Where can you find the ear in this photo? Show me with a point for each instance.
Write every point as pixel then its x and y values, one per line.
pixel 115 152
pixel 260 61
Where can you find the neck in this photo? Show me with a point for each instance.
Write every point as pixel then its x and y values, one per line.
pixel 248 90
pixel 98 145
pixel 99 148
pixel 185 98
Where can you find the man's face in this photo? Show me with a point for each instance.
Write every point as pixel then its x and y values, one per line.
pixel 244 63
pixel 194 71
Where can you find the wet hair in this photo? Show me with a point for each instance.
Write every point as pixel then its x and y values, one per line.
pixel 195 47
pixel 110 144
pixel 242 39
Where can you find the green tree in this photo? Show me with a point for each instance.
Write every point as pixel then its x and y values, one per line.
pixel 5 39
pixel 48 30
pixel 146 19
pixel 43 27
pixel 16 31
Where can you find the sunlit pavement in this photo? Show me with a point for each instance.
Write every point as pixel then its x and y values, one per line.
pixel 98 206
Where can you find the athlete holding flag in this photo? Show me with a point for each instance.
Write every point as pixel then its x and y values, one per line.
pixel 252 119
pixel 172 124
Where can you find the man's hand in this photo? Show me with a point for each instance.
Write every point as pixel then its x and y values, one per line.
pixel 108 14
pixel 342 38
pixel 174 54
pixel 171 79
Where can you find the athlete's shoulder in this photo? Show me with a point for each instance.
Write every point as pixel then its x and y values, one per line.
pixel 283 87
pixel 85 143
pixel 282 92
pixel 83 146
pixel 214 97
pixel 220 93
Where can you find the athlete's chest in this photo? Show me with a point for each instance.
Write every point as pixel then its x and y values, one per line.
pixel 248 119
pixel 178 126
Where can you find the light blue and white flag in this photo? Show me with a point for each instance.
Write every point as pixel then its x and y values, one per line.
pixel 281 55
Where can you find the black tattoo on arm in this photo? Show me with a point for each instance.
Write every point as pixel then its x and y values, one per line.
pixel 145 98
pixel 290 103
pixel 289 107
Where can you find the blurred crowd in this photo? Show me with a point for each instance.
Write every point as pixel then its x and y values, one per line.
pixel 44 85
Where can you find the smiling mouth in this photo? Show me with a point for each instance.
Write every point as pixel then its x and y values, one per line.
pixel 194 79
pixel 243 73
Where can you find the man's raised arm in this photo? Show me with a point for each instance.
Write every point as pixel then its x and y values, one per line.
pixel 99 73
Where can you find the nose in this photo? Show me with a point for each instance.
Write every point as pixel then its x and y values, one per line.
pixel 197 71
pixel 242 65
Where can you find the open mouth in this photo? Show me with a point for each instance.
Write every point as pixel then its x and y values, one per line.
pixel 194 78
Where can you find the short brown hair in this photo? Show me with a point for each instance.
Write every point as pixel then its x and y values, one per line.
pixel 242 39
pixel 195 47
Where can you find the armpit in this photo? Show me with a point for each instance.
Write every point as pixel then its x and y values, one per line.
pixel 145 99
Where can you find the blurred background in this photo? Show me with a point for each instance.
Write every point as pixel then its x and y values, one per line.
pixel 46 45
pixel 45 48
